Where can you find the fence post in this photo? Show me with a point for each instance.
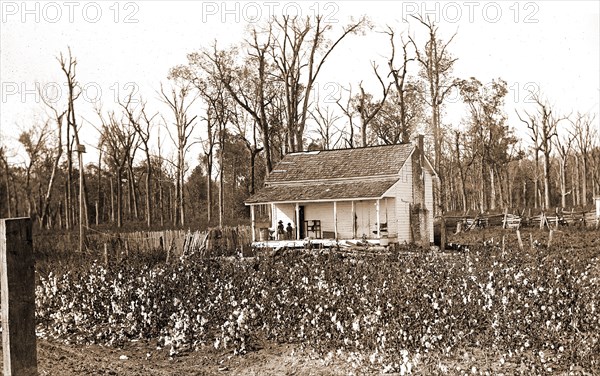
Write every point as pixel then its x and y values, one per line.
pixel 18 297
pixel 520 240
pixel 105 255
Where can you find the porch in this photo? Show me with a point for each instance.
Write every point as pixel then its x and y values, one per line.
pixel 323 223
pixel 321 243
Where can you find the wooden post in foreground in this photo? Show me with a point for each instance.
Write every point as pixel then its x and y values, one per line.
pixel 18 297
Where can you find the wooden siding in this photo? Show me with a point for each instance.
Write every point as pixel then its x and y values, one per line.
pixel 429 202
pixel 285 213
pixel 403 190
pixel 345 220
pixel 322 211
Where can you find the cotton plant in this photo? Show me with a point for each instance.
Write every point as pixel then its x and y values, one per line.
pixel 390 314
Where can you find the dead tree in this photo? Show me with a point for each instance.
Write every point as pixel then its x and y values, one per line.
pixel 118 138
pixel 326 129
pixel 142 124
pixel 404 91
pixel 563 148
pixel 584 135
pixel 179 100
pixel 58 118
pixel 436 64
pixel 68 67
pixel 299 50
pixel 368 108
pixel 4 162
pixel 543 127
pixel 34 141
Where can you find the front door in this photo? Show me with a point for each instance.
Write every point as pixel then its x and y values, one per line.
pixel 300 225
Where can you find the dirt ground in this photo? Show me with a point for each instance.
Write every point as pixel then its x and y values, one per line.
pixel 143 359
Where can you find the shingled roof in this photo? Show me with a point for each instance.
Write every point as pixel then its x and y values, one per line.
pixel 322 191
pixel 334 174
pixel 341 163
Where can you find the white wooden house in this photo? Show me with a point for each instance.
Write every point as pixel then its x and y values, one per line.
pixel 381 193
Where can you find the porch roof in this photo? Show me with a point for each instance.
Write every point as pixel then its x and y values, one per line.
pixel 314 191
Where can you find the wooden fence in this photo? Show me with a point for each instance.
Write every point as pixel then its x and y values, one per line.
pixel 228 241
pixel 510 220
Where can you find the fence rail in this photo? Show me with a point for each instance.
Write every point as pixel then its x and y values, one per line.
pixel 226 241
pixel 515 221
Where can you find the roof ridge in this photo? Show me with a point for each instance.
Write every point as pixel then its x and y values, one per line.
pixel 309 152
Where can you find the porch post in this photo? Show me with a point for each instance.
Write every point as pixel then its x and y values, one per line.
pixel 335 228
pixel 378 218
pixel 253 223
pixel 297 221
pixel 353 220
pixel 273 217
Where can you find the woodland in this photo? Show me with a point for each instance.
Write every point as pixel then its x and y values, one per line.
pixel 259 102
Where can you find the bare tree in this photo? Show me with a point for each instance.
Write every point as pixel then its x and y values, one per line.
pixel 563 147
pixel 247 132
pixel 490 138
pixel 34 142
pixel 350 111
pixel 58 118
pixel 436 66
pixel 405 90
pixel 584 135
pixel 249 85
pixel 4 161
pixel 68 66
pixel 142 124
pixel 325 120
pixel 543 125
pixel 463 166
pixel 299 51
pixel 202 75
pixel 365 107
pixel 179 100
pixel 118 138
pixel 530 123
pixel 368 108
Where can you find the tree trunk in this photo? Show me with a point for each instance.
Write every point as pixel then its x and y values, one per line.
pixel 576 181
pixel 68 207
pixel 535 176
pixel 584 166
pixel 463 189
pixel 119 199
pixel 180 194
pixel 563 182
pixel 546 165
pixel 46 203
pixel 221 184
pixel 482 196
pixel 8 197
pixel 99 189
pixel 112 201
pixel 148 191
pixel 524 193
pixel 492 190
pixel 209 199
pixel 161 198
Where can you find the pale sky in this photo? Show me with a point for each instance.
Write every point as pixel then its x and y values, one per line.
pixel 552 46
